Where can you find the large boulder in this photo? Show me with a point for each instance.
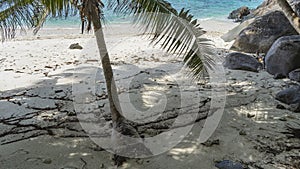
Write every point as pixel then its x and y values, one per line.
pixel 272 5
pixel 239 13
pixel 240 61
pixel 263 32
pixel 284 56
pixel 295 75
pixel 231 34
pixel 291 97
pixel 266 7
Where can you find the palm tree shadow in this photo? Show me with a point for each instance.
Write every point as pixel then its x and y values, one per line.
pixel 46 108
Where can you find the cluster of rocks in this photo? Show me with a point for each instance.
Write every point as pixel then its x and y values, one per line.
pixel 269 41
pixel 261 27
pixel 244 13
pixel 272 40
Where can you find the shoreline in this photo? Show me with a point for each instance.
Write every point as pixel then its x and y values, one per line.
pixel 214 28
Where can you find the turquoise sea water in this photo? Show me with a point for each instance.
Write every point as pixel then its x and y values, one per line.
pixel 201 9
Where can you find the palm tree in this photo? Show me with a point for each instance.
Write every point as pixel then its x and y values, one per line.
pixel 178 32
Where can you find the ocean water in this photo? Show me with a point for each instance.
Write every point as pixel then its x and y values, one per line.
pixel 201 9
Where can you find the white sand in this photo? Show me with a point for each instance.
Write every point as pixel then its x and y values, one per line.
pixel 38 73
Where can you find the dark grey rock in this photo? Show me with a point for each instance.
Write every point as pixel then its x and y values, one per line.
pixel 280 106
pixel 239 13
pixel 279 76
pixel 266 7
pixel 250 115
pixel 284 56
pixel 210 143
pixel 6 108
pixel 75 46
pixel 47 161
pixel 227 164
pixel 272 5
pixel 233 33
pixel 69 167
pixel 36 103
pixel 291 97
pixel 240 61
pixel 294 128
pixel 282 118
pixel 263 32
pixel 295 75
pixel 242 133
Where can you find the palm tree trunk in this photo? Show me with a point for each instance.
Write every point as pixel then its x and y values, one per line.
pixel 113 98
pixel 123 146
pixel 290 14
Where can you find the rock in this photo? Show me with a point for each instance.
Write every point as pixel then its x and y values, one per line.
pixel 282 118
pixel 280 106
pixel 2 60
pixel 294 128
pixel 242 133
pixel 278 76
pixel 75 46
pixel 271 5
pixel 266 7
pixel 284 56
pixel 239 13
pixel 210 143
pixel 8 69
pixel 291 97
pixel 35 103
pixel 250 115
pixel 47 161
pixel 6 108
pixel 240 61
pixel 69 167
pixel 295 75
pixel 140 161
pixel 233 33
pixel 263 32
pixel 227 164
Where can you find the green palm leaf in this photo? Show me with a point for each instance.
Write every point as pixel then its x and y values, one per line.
pixel 31 13
pixel 17 13
pixel 177 32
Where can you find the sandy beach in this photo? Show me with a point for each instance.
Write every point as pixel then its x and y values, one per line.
pixel 45 88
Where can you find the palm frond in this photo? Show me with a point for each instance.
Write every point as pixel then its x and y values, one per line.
pixel 56 8
pixel 21 14
pixel 177 32
pixel 59 8
pixel 16 13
